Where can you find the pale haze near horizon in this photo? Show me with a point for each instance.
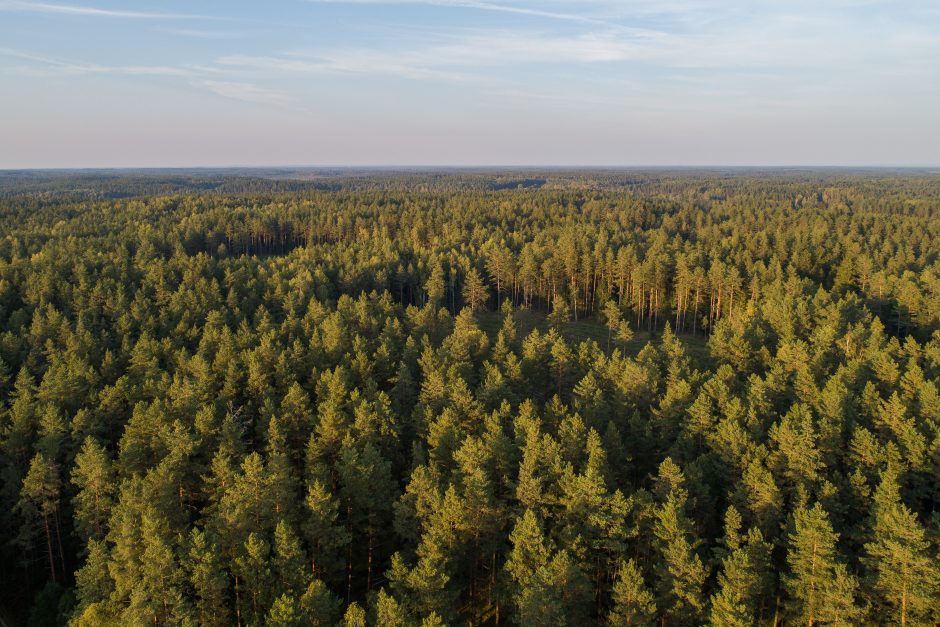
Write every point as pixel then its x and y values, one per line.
pixel 466 82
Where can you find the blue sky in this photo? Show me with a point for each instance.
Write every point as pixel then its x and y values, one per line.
pixel 466 82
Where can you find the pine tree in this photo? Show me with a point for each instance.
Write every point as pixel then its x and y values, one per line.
pixel 388 611
pixel 797 460
pixel 367 492
pixel 283 488
pixel 745 577
pixel 93 476
pixel 904 578
pixel 39 507
pixel 53 431
pixel 208 579
pixel 478 522
pixel 560 314
pixel 528 553
pixel 633 603
pixel 320 607
pixel 324 535
pixel 434 287
pixel 680 573
pixel 475 293
pixel 624 334
pixel 246 505
pixel 126 543
pixel 332 422
pixel 289 561
pixel 612 319
pixel 893 421
pixel 93 583
pixel 285 612
pixel 561 363
pixel 819 586
pixel 758 495
pixel 558 594
pixel 157 596
pixel 297 418
pixel 425 588
pixel 253 570
pixel 355 616
pixel 19 427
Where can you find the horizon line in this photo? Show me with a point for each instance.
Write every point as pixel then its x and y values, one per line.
pixel 530 166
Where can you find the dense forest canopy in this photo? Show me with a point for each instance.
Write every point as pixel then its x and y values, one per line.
pixel 528 397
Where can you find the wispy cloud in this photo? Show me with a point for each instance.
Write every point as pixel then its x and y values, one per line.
pixel 52 64
pixel 474 54
pixel 69 9
pixel 202 34
pixel 201 77
pixel 468 55
pixel 483 6
pixel 346 61
pixel 246 92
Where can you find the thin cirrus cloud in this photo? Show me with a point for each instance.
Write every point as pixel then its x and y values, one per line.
pixel 600 12
pixel 482 6
pixel 473 54
pixel 203 34
pixel 352 62
pixel 246 92
pixel 469 55
pixel 669 34
pixel 200 77
pixel 52 65
pixel 69 9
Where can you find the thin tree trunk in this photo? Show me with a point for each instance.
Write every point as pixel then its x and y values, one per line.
pixel 493 586
pixel 349 558
pixel 812 604
pixel 238 605
pixel 45 522
pixel 678 309
pixel 639 309
pixel 904 605
pixel 58 537
pixel 369 562
pixel 594 291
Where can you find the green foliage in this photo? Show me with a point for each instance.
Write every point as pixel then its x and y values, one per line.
pixel 424 400
pixel 745 579
pixel 208 579
pixel 93 476
pixel 680 571
pixel 819 585
pixel 633 603
pixel 903 574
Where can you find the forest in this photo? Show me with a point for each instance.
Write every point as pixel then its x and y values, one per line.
pixel 470 398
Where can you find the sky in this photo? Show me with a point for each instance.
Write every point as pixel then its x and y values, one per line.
pixel 101 83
